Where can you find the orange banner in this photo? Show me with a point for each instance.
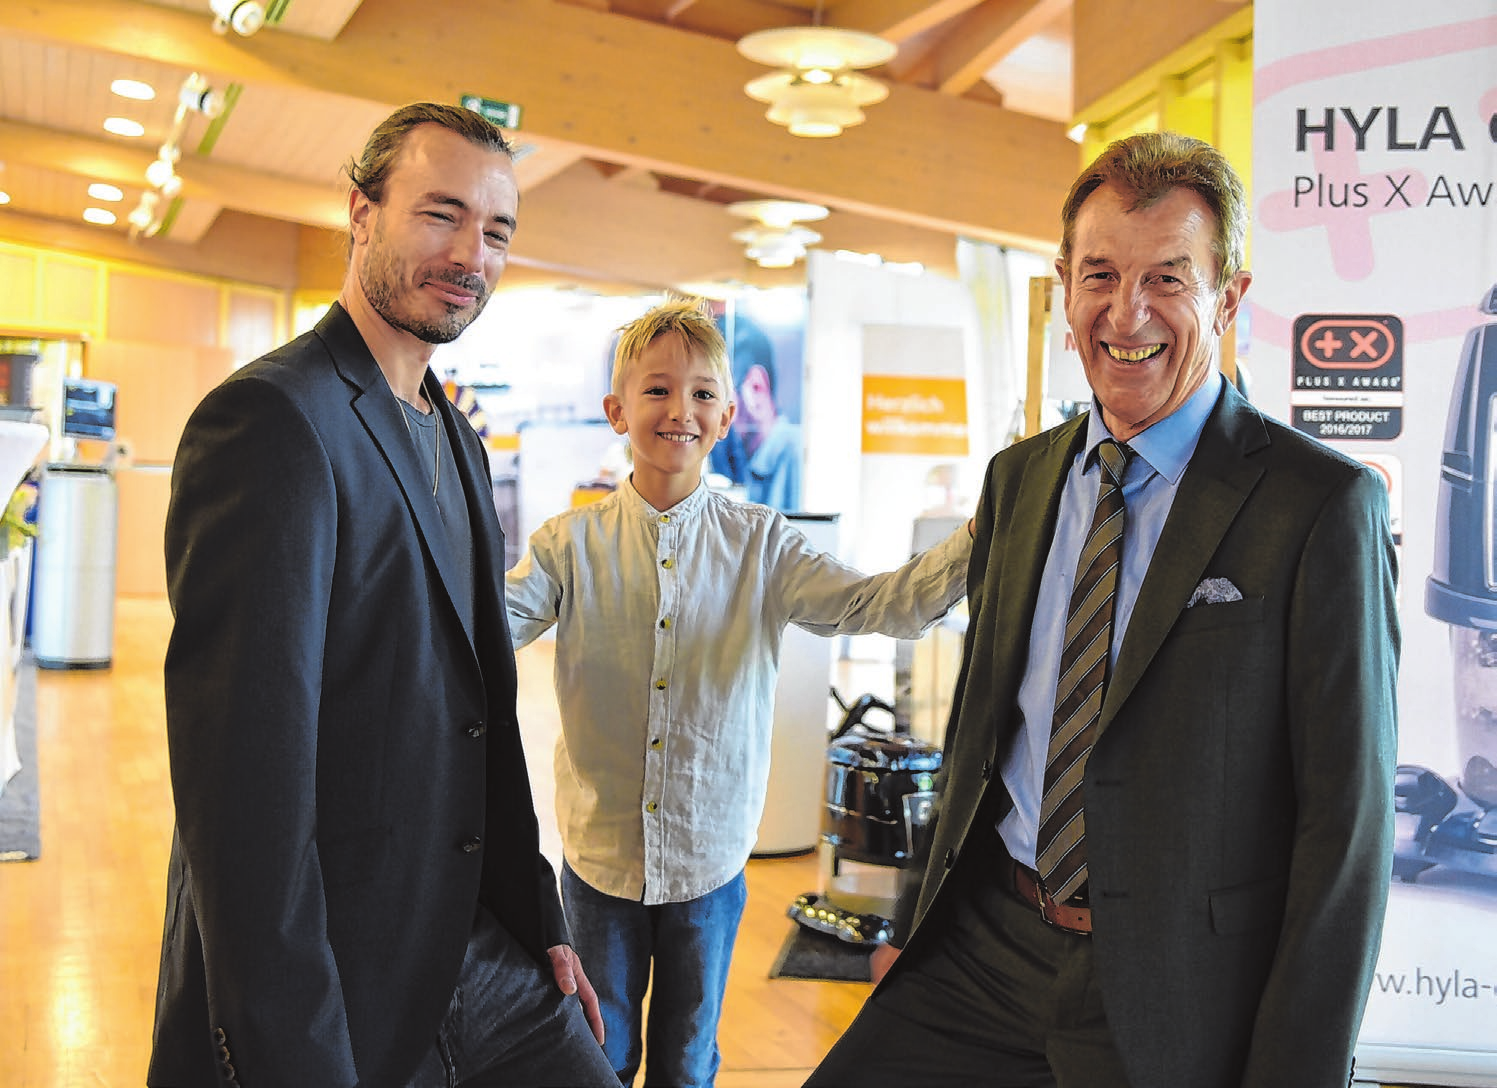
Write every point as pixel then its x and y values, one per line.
pixel 907 414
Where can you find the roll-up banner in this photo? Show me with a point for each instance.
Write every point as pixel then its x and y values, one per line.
pixel 1373 326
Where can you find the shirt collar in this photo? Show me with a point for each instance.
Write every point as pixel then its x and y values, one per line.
pixel 1164 446
pixel 636 502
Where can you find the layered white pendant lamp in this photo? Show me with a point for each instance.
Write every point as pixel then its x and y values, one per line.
pixel 817 90
pixel 775 241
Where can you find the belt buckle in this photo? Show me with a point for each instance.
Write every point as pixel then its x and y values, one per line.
pixel 1045 900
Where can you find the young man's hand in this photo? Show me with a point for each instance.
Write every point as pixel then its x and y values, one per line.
pixel 570 977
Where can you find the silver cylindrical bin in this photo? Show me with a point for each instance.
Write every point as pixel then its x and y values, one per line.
pixel 73 605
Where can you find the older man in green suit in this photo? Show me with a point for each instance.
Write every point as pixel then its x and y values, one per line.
pixel 1163 849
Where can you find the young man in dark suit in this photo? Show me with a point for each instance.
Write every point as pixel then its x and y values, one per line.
pixel 1163 849
pixel 356 894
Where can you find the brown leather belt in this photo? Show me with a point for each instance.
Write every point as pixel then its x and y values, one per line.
pixel 1069 916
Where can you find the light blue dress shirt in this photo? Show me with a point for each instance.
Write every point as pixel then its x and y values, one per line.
pixel 1161 454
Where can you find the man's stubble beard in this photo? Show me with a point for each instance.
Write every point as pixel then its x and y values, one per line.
pixel 381 278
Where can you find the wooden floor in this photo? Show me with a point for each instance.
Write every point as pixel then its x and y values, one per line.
pixel 80 928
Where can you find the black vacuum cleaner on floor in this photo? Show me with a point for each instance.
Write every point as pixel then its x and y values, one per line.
pixel 880 797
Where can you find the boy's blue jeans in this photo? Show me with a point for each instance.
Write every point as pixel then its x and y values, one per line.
pixel 691 945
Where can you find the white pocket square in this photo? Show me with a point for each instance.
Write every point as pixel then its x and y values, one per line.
pixel 1214 591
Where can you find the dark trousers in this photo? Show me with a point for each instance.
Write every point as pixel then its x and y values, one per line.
pixel 510 1026
pixel 994 996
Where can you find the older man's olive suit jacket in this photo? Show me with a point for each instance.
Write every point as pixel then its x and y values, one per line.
pixel 1239 797
pixel 345 759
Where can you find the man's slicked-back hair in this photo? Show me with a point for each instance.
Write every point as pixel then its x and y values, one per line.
pixel 371 170
pixel 684 317
pixel 1147 167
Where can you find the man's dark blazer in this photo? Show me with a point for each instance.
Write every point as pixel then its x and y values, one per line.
pixel 345 758
pixel 1239 796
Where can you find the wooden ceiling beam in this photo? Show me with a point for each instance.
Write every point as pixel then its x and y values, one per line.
pixel 896 20
pixel 583 223
pixel 987 34
pixel 630 91
pixel 250 191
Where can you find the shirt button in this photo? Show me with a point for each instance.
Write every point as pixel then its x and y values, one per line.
pixel 667 563
pixel 471 845
pixel 664 518
pixel 665 624
pixel 659 685
pixel 656 742
pixel 477 729
pixel 652 806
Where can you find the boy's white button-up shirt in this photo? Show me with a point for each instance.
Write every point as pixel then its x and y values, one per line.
pixel 667 654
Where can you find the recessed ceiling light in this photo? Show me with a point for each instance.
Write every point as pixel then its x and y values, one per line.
pixel 4 197
pixel 101 216
pixel 99 191
pixel 123 126
pixel 134 89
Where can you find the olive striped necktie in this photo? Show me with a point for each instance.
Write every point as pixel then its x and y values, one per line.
pixel 1084 664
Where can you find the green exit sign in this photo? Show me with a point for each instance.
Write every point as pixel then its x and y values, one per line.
pixel 503 114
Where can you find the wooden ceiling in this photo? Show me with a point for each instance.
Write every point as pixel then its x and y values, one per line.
pixel 635 131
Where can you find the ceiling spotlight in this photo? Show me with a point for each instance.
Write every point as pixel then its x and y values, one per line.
pixel 244 16
pixel 100 191
pixel 145 219
pixel 197 96
pixel 816 91
pixel 133 89
pixel 776 241
pixel 4 197
pixel 160 172
pixel 123 126
pixel 102 217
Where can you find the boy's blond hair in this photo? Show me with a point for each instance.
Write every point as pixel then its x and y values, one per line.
pixel 683 317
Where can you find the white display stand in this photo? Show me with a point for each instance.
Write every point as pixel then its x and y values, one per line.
pixel 15 578
pixel 791 823
pixel 20 442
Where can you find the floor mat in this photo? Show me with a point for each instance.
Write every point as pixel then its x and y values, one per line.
pixel 808 954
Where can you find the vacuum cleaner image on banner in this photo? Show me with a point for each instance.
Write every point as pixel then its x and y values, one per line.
pixel 1454 823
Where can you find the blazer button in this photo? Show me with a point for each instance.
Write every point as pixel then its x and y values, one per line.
pixel 950 858
pixel 219 1037
pixel 471 845
pixel 987 769
pixel 477 729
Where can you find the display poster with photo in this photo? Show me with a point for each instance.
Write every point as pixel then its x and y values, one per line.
pixel 763 452
pixel 1373 318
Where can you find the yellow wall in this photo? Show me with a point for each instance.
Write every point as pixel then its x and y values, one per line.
pixel 1202 88
pixel 165 338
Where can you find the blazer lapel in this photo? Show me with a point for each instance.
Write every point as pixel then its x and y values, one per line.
pixel 377 407
pixel 1217 482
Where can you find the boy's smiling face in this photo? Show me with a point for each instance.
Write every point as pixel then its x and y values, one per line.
pixel 672 405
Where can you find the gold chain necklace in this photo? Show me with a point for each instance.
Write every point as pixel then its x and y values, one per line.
pixel 436 444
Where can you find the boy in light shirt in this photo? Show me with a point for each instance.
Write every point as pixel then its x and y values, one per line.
pixel 671 601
